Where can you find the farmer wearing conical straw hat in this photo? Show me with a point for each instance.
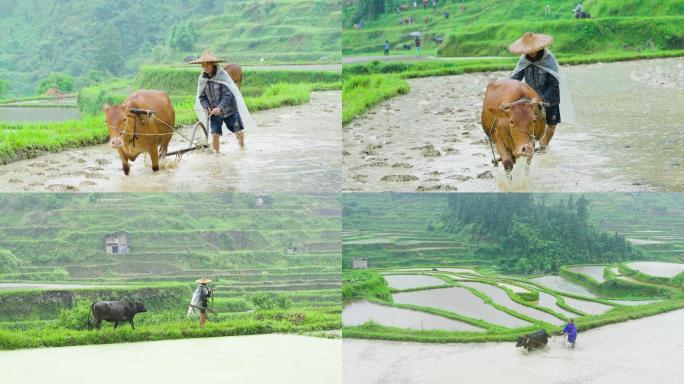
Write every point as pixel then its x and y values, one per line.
pixel 219 98
pixel 200 300
pixel 539 67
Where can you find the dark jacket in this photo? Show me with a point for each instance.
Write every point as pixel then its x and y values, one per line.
pixel 541 81
pixel 218 95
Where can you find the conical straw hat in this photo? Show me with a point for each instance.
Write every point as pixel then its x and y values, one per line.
pixel 530 42
pixel 207 57
pixel 203 280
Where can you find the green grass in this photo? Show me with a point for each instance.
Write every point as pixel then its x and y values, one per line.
pixel 260 322
pixel 362 92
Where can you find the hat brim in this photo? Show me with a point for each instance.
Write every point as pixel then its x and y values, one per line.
pixel 203 281
pixel 521 47
pixel 207 61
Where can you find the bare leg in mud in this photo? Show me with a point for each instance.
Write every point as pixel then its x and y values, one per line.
pixel 202 319
pixel 241 138
pixel 215 142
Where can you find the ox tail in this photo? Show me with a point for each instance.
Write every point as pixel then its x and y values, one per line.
pixel 90 323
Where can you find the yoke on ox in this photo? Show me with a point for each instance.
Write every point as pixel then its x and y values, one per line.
pixel 513 119
pixel 114 312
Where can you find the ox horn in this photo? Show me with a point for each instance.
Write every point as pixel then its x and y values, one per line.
pixel 505 107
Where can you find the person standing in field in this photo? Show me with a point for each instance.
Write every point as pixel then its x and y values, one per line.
pixel 220 99
pixel 200 300
pixel 539 68
pixel 387 47
pixel 571 330
pixel 417 44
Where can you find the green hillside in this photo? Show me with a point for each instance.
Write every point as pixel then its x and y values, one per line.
pixel 485 28
pixel 91 41
pixel 274 261
pixel 403 230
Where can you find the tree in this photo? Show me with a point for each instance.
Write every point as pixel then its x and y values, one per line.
pixel 8 262
pixel 61 81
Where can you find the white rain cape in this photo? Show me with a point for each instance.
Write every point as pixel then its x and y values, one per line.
pixel 196 301
pixel 223 78
pixel 549 64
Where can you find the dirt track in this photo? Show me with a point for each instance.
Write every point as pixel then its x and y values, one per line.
pixel 292 149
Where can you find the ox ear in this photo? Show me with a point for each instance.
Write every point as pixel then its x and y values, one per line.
pixel 498 112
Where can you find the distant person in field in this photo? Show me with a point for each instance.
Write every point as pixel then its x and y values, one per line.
pixel 417 44
pixel 547 9
pixel 571 330
pixel 200 300
pixel 415 4
pixel 425 4
pixel 539 68
pixel 220 99
pixel 387 47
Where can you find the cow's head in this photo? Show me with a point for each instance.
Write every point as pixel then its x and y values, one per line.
pixel 522 340
pixel 516 123
pixel 116 119
pixel 139 307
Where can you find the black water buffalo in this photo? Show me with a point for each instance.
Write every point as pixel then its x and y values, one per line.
pixel 533 340
pixel 115 312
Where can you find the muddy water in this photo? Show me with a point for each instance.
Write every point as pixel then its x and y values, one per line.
pixel 639 351
pixel 628 136
pixel 412 281
pixel 634 302
pixel 262 359
pixel 514 288
pixel 30 115
pixel 549 301
pixel 461 301
pixel 360 312
pixel 595 271
pixel 292 149
pixel 658 268
pixel 501 297
pixel 589 307
pixel 559 284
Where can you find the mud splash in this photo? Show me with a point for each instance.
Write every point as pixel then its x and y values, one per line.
pixel 628 137
pixel 645 350
pixel 292 149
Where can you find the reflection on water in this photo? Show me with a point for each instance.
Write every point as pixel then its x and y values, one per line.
pixel 659 269
pixel 30 115
pixel 559 284
pixel 589 307
pixel 501 297
pixel 412 281
pixel 360 312
pixel 461 301
pixel 595 271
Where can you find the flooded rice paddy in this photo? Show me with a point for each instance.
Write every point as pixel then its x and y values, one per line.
pixel 412 281
pixel 659 269
pixel 501 297
pixel 585 306
pixel 550 301
pixel 595 271
pixel 360 312
pixel 461 301
pixel 557 283
pixel 237 359
pixel 36 114
pixel 294 148
pixel 638 351
pixel 628 136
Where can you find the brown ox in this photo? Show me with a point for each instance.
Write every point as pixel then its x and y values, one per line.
pixel 512 117
pixel 132 134
pixel 235 73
